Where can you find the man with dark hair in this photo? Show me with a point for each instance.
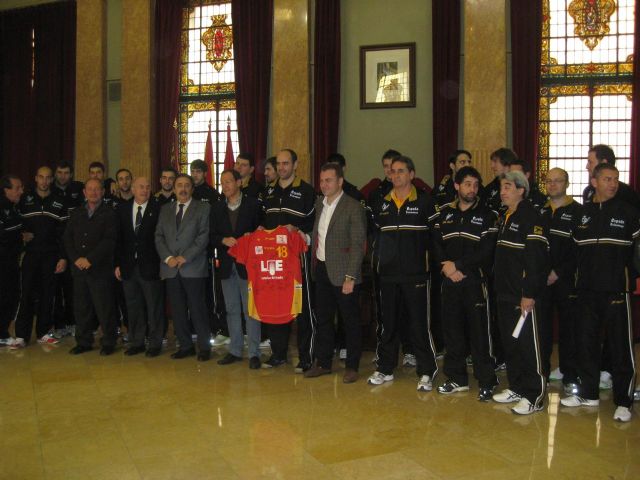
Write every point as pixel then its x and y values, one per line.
pixel 10 248
pixel 90 240
pixel 604 154
pixel 377 189
pixel 289 202
pixel 402 217
pixel 270 170
pixel 65 187
pixel 463 243
pixel 605 279
pixel 348 188
pixel 201 189
pixel 44 216
pixel 245 166
pixel 535 196
pixel 167 178
pixel 500 160
pixel 123 182
pixel 446 191
pixel 98 171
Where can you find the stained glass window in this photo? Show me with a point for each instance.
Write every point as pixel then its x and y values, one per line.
pixel 207 84
pixel 585 98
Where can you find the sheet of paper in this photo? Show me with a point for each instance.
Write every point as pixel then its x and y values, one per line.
pixel 519 325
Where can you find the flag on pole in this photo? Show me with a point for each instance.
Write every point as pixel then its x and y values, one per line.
pixel 229 159
pixel 208 157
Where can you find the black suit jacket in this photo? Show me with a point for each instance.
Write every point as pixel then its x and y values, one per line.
pixel 143 243
pixel 220 227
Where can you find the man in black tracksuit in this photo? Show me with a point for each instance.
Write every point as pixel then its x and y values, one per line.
pixel 290 201
pixel 44 216
pixel 403 268
pixel 463 245
pixel 605 279
pixel 521 269
pixel 560 216
pixel 501 161
pixel 202 190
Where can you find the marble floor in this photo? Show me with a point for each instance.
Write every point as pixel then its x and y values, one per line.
pixel 117 417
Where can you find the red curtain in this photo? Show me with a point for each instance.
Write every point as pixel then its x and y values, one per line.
pixel 37 121
pixel 326 81
pixel 526 51
pixel 252 32
pixel 168 25
pixel 634 168
pixel 446 82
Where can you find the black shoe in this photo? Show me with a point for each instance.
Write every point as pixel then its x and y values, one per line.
pixel 450 386
pixel 190 352
pixel 229 359
pixel 302 367
pixel 78 349
pixel 134 350
pixel 254 363
pixel 273 363
pixel 107 350
pixel 152 352
pixel 204 356
pixel 485 394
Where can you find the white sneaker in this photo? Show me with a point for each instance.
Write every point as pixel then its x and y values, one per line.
pixel 606 381
pixel 556 374
pixel 506 396
pixel 636 396
pixel 60 333
pixel 17 344
pixel 576 401
pixel 48 339
pixel 409 360
pixel 378 378
pixel 525 407
pixel 266 344
pixel 6 342
pixel 220 340
pixel 425 384
pixel 622 414
pixel 342 355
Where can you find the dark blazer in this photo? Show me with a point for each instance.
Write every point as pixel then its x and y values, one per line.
pixel 143 244
pixel 344 244
pixel 220 225
pixel 94 238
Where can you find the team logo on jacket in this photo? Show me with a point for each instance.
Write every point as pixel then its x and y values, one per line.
pixel 270 190
pixel 258 250
pixel 295 194
pixel 514 227
pixel 477 220
pixel 538 230
pixel 616 223
pixel 585 219
pixel 566 216
pixel 281 239
pixel 385 206
pixel 271 266
pixel 448 217
pixel 413 210
pixel 56 205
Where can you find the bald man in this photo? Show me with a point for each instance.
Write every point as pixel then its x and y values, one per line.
pixel 138 268
pixel 44 216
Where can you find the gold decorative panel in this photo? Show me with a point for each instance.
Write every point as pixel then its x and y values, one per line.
pixel 592 19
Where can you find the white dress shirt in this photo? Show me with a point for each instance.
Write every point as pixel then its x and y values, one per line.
pixel 323 224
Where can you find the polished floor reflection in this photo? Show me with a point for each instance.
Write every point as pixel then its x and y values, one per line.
pixel 91 417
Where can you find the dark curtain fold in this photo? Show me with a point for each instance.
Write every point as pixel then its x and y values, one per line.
pixel 252 45
pixel 526 51
pixel 326 82
pixel 446 82
pixel 634 168
pixel 167 46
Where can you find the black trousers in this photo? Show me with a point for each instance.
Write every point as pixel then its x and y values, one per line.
pixel 405 334
pixel 94 297
pixel 188 294
pixel 465 318
pixel 145 306
pixel 38 288
pixel 561 297
pixel 610 312
pixel 523 354
pixel 279 336
pixel 63 312
pixel 306 320
pixel 330 299
pixel 10 293
pixel 415 297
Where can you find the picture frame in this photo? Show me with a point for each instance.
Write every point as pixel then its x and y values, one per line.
pixel 388 76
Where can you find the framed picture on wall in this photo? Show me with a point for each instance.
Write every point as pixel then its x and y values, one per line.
pixel 388 75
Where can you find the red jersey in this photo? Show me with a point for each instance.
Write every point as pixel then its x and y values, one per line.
pixel 272 258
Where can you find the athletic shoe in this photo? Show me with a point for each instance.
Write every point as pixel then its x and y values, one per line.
pixel 506 396
pixel 622 414
pixel 439 355
pixel 165 342
pixel 302 367
pixel 220 340
pixel 571 388
pixel 556 374
pixel 48 339
pixel 636 396
pixel 266 344
pixel 342 355
pixel 485 394
pixel 469 361
pixel 525 407
pixel 60 333
pixel 452 387
pixel 7 342
pixel 378 378
pixel 576 401
pixel 273 363
pixel 409 360
pixel 606 381
pixel 17 344
pixel 501 367
pixel 425 384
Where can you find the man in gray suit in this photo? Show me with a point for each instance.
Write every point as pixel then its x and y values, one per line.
pixel 182 237
pixel 339 235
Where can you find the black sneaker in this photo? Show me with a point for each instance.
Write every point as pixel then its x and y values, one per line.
pixel 452 387
pixel 485 394
pixel 273 363
pixel 302 367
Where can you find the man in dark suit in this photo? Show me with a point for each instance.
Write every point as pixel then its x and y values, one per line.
pixel 182 238
pixel 339 236
pixel 237 215
pixel 138 268
pixel 90 240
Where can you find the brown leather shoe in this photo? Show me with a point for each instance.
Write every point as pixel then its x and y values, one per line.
pixel 316 371
pixel 350 376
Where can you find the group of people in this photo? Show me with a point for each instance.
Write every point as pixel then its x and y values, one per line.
pixel 475 271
